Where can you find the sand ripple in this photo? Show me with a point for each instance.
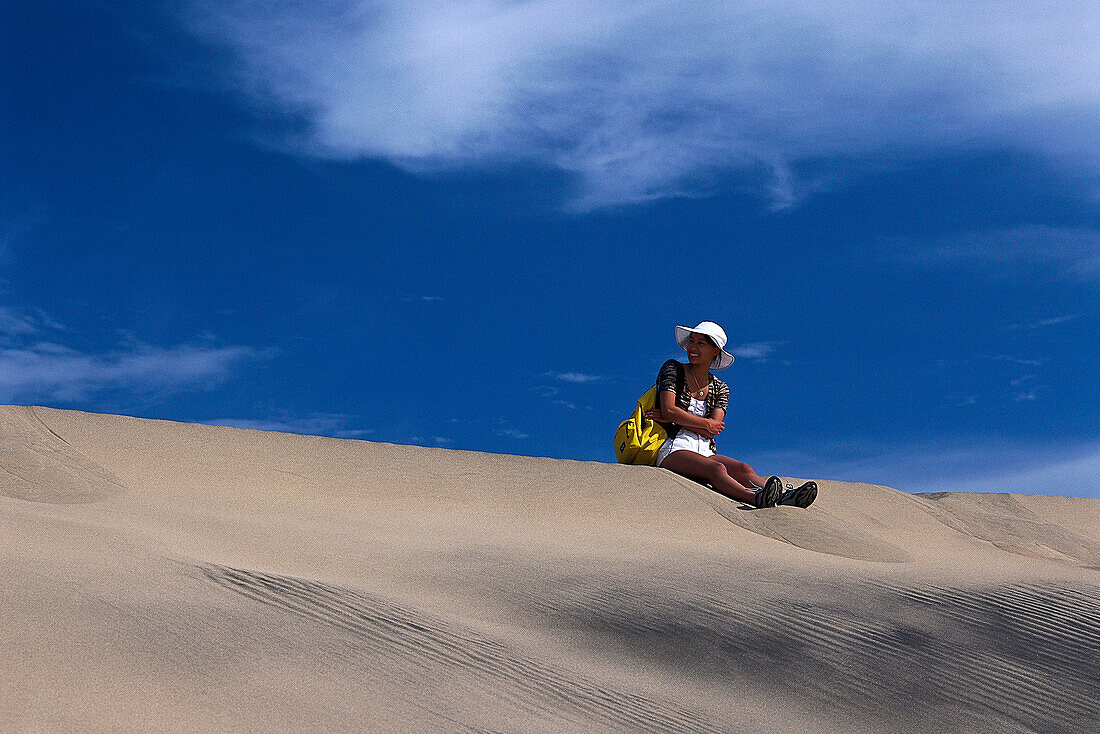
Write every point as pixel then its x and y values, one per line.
pixel 413 639
pixel 39 465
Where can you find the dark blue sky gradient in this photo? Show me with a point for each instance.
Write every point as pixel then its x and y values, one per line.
pixel 476 310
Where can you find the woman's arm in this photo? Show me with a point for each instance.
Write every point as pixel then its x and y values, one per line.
pixel 668 411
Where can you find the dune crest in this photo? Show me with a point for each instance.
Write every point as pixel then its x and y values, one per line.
pixel 1007 523
pixel 38 465
pixel 175 577
pixel 820 531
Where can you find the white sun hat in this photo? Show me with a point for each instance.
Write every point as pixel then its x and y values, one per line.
pixel 715 332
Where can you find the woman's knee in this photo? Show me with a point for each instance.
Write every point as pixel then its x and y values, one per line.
pixel 740 469
pixel 716 470
pixel 733 466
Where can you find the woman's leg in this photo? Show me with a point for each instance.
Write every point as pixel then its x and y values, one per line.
pixel 699 467
pixel 741 472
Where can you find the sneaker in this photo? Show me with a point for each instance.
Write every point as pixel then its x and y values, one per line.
pixel 770 494
pixel 804 496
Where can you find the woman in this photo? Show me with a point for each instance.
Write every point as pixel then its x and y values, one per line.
pixel 691 405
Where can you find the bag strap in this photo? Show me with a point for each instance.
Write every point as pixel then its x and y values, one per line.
pixel 681 378
pixel 681 381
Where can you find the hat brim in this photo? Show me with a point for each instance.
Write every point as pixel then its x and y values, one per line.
pixel 721 362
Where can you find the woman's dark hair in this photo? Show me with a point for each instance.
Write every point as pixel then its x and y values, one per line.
pixel 710 340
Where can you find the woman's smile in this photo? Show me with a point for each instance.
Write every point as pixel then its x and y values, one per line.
pixel 698 348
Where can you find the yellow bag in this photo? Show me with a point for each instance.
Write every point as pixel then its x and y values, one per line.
pixel 638 439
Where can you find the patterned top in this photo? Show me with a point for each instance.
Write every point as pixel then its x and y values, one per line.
pixel 671 379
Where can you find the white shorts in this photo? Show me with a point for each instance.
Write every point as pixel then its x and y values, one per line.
pixel 685 441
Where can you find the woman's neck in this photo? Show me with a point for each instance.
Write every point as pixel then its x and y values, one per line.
pixel 699 372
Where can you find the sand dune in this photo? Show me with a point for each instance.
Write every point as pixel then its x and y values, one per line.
pixel 174 577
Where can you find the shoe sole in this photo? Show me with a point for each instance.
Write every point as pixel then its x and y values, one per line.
pixel 805 495
pixel 770 494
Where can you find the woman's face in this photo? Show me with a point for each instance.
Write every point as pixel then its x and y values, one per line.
pixel 700 350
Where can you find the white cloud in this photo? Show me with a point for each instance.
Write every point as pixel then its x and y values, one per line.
pixel 649 98
pixel 34 366
pixel 435 440
pixel 314 424
pixel 1074 475
pixel 54 372
pixel 755 350
pixel 991 465
pixel 1014 359
pixel 1053 321
pixel 1074 251
pixel 13 323
pixel 577 378
pixel 1030 395
pixel 512 433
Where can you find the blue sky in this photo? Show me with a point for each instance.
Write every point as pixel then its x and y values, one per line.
pixel 474 224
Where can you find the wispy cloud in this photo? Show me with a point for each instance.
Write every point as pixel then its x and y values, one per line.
pixel 431 440
pixel 545 391
pixel 976 465
pixel 577 378
pixel 1074 473
pixel 13 323
pixel 1073 251
pixel 1028 396
pixel 755 350
pixel 336 425
pixel 640 99
pixel 55 372
pixel 1044 322
pixel 1016 359
pixel 35 366
pixel 511 433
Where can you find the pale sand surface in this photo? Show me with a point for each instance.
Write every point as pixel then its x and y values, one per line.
pixel 175 577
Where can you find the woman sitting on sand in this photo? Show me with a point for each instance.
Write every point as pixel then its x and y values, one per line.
pixel 691 405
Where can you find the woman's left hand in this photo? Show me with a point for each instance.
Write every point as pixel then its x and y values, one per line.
pixel 712 427
pixel 652 414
